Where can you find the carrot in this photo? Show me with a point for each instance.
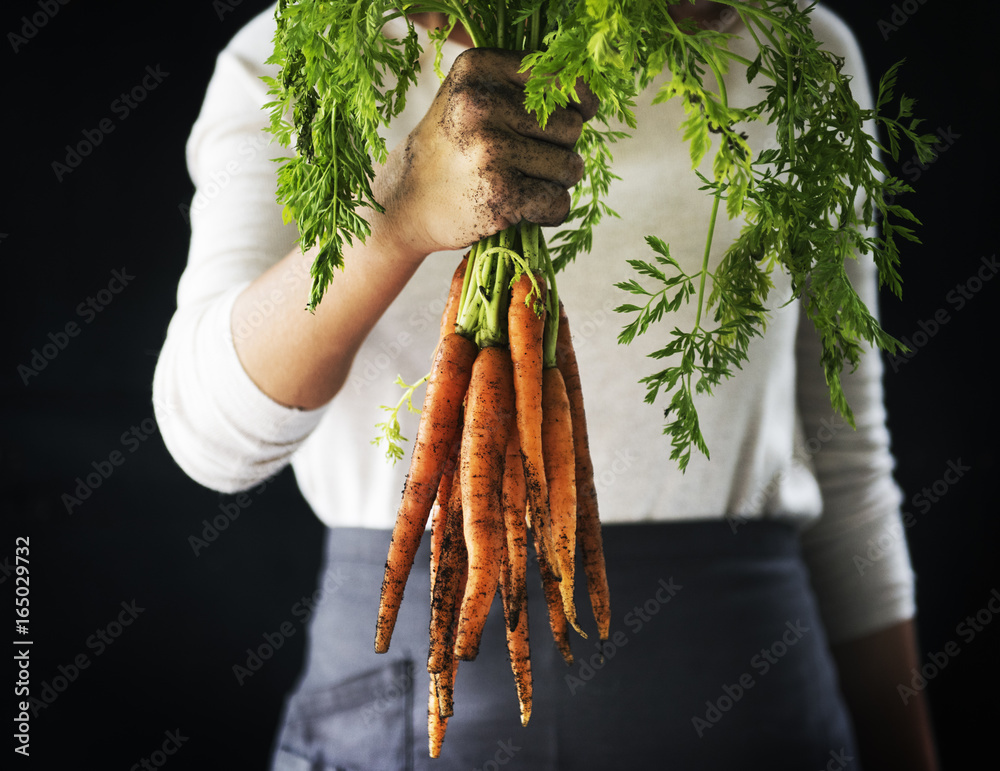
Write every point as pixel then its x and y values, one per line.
pixel 436 725
pixel 445 679
pixel 525 330
pixel 438 430
pixel 450 314
pixel 444 591
pixel 560 472
pixel 484 448
pixel 554 603
pixel 441 701
pixel 518 648
pixel 514 501
pixel 588 523
pixel 439 519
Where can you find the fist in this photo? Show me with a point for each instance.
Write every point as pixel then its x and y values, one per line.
pixel 478 162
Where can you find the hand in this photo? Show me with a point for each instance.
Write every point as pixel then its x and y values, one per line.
pixel 478 162
pixel 706 14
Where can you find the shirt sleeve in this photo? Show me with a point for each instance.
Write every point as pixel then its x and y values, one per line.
pixel 219 427
pixel 856 551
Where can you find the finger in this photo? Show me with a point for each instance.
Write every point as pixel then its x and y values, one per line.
pixel 528 157
pixel 562 128
pixel 548 162
pixel 505 66
pixel 541 202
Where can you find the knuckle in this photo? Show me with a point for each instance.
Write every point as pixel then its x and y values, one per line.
pixel 465 62
pixel 465 107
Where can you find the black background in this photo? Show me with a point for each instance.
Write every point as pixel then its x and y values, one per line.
pixel 171 669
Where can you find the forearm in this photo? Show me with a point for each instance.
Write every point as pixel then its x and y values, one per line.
pixel 301 359
pixel 891 734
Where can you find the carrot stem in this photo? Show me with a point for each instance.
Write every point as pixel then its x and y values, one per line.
pixel 552 310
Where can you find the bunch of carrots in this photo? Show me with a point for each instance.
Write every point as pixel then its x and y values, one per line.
pixel 501 452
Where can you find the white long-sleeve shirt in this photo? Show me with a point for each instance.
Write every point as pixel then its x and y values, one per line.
pixel 777 448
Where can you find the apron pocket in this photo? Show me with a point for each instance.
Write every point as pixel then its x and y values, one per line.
pixel 360 723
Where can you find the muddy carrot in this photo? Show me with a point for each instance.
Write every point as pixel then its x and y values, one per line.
pixel 588 523
pixel 560 472
pixel 525 329
pixel 516 626
pixel 554 604
pixel 445 595
pixel 484 448
pixel 439 428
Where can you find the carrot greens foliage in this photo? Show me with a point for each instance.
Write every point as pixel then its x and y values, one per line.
pixel 809 203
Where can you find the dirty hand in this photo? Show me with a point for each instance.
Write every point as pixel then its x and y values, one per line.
pixel 478 162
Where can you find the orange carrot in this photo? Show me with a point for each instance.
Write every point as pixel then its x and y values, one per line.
pixel 450 314
pixel 554 603
pixel 588 523
pixel 439 520
pixel 444 592
pixel 525 329
pixel 560 472
pixel 445 680
pixel 514 501
pixel 516 626
pixel 439 428
pixel 484 448
pixel 436 725
pixel 442 682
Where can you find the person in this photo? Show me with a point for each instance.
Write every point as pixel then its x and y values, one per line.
pixel 753 625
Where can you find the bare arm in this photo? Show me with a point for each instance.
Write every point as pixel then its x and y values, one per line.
pixel 891 734
pixel 475 164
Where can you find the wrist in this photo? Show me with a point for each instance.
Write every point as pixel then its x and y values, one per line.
pixel 395 231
